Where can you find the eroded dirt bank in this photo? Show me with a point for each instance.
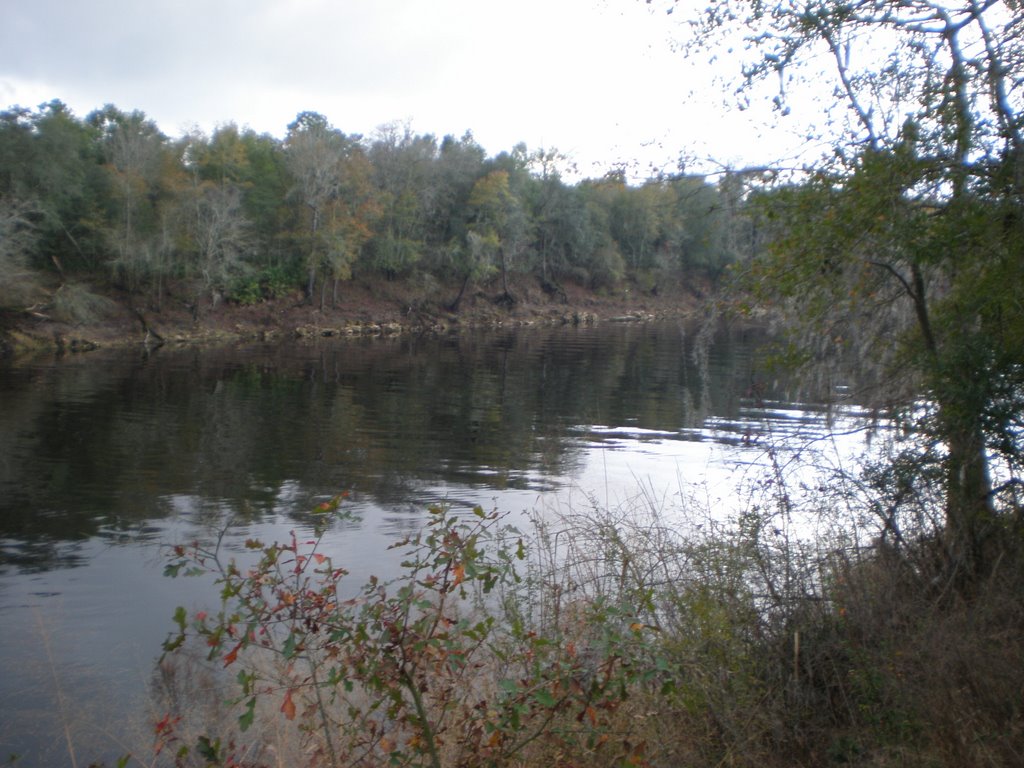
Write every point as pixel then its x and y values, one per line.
pixel 362 309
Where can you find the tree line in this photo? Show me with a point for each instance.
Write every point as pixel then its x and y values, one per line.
pixel 246 216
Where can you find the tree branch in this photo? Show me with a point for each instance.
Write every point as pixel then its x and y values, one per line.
pixel 915 290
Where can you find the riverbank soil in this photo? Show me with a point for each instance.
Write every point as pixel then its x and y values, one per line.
pixel 363 307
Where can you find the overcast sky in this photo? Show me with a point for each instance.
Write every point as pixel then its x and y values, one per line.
pixel 596 79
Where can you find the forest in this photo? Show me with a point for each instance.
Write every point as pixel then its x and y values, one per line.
pixel 109 203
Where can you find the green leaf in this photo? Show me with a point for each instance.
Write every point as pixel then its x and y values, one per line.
pixel 247 680
pixel 544 698
pixel 208 749
pixel 289 646
pixel 246 718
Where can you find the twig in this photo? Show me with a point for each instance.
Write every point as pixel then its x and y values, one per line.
pixel 56 684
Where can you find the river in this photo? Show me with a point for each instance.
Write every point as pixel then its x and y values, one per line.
pixel 107 457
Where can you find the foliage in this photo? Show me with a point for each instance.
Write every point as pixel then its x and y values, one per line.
pixel 219 233
pixel 405 181
pixel 20 286
pixel 254 287
pixel 111 199
pixel 138 171
pixel 900 249
pixel 331 176
pixel 438 666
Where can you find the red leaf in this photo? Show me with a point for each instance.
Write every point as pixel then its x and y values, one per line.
pixel 232 655
pixel 288 706
pixel 166 723
pixel 460 574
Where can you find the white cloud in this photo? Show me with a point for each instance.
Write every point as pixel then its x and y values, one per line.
pixel 596 80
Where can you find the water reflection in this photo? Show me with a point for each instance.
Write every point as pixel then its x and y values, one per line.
pixel 99 445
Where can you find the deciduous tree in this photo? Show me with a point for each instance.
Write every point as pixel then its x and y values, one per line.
pixel 906 244
pixel 497 223
pixel 403 172
pixel 135 156
pixel 318 158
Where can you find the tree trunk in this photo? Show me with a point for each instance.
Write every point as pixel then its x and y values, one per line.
pixel 454 306
pixel 313 258
pixel 970 515
pixel 507 297
pixel 968 487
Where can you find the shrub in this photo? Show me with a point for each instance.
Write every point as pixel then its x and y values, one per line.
pixel 268 283
pixel 438 666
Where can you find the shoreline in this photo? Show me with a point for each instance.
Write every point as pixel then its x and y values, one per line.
pixel 365 310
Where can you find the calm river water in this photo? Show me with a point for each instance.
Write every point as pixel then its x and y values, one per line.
pixel 105 457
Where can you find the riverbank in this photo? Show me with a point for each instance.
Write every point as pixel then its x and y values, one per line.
pixel 363 308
